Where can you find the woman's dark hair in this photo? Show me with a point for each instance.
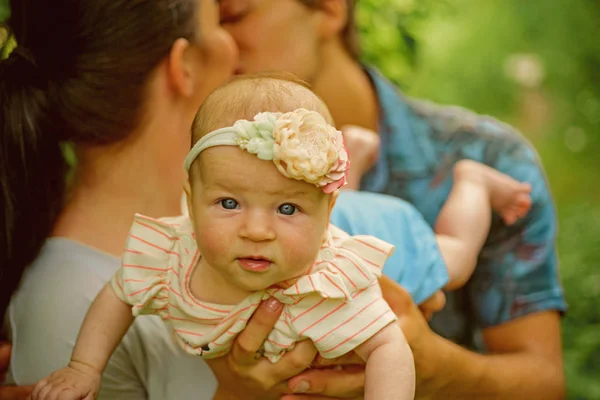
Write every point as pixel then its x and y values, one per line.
pixel 78 74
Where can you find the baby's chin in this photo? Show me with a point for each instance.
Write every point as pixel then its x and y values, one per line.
pixel 263 283
pixel 255 284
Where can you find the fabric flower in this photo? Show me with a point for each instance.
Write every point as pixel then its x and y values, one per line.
pixel 308 148
pixel 256 137
pixel 301 144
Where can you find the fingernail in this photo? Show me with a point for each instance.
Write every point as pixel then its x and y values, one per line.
pixel 273 304
pixel 301 387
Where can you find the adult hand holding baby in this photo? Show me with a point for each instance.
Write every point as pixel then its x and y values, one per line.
pixel 256 377
pixel 421 339
pixel 348 382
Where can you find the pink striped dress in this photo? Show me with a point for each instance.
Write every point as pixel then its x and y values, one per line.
pixel 337 304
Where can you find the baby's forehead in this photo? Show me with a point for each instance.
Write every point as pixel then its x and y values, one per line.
pixel 230 168
pixel 246 99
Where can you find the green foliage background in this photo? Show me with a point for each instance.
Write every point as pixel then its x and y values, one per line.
pixel 464 52
pixel 460 52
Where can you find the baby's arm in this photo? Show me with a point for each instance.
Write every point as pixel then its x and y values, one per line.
pixel 464 222
pixel 104 326
pixel 390 371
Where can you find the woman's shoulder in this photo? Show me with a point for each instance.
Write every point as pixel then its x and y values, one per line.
pixel 47 310
pixel 64 262
pixel 65 274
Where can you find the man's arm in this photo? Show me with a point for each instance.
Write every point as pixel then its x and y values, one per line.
pixel 516 297
pixel 524 362
pixel 524 359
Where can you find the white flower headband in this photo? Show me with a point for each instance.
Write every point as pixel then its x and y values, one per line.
pixel 301 144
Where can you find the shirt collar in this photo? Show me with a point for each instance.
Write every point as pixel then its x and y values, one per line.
pixel 393 121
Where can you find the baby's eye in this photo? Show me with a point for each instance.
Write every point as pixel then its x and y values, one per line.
pixel 229 204
pixel 287 209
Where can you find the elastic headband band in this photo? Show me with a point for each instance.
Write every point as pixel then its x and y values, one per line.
pixel 301 144
pixel 220 137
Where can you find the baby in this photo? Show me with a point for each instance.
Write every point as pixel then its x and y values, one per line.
pixel 464 221
pixel 264 175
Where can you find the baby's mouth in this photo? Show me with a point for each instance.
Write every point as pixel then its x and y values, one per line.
pixel 255 263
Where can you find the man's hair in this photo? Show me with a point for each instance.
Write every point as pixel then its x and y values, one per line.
pixel 350 32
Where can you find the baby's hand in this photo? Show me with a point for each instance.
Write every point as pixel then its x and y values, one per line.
pixel 76 382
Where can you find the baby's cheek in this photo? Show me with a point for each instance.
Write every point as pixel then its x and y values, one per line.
pixel 213 241
pixel 302 250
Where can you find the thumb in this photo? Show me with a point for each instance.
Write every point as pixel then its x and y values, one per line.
pixel 433 304
pixel 397 297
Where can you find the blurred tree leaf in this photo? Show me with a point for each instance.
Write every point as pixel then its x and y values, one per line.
pixel 5 43
pixel 4 10
pixel 465 52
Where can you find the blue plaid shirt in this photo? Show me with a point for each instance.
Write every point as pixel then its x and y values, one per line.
pixel 517 270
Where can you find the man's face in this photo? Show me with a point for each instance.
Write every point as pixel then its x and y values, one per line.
pixel 274 35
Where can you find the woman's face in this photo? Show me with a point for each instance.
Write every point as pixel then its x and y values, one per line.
pixel 273 35
pixel 219 54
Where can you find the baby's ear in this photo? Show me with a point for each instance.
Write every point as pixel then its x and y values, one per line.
pixel 187 189
pixel 332 200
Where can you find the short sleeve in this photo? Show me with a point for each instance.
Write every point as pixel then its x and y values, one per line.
pixel 143 279
pixel 369 250
pixel 345 265
pixel 416 264
pixel 336 326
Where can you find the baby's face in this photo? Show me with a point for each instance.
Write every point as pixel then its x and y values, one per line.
pixel 253 225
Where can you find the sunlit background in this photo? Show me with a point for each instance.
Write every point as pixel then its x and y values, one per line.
pixel 534 64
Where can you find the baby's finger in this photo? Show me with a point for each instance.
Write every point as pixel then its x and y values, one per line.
pixel 54 392
pixel 63 392
pixel 35 393
pixel 42 394
pixel 68 394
